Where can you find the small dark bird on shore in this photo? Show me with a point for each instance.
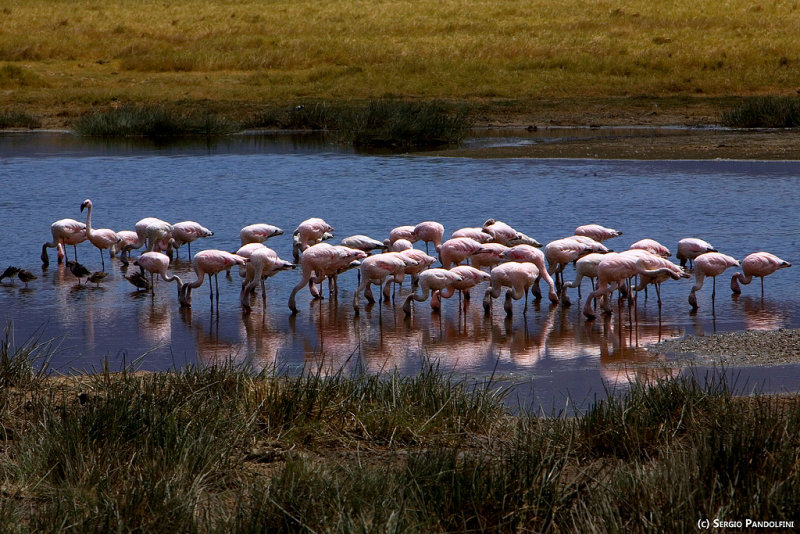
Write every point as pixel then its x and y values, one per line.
pixel 97 277
pixel 9 273
pixel 78 270
pixel 139 280
pixel 26 276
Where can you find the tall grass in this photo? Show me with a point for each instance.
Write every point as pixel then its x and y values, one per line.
pixel 151 121
pixel 18 119
pixel 765 112
pixel 218 449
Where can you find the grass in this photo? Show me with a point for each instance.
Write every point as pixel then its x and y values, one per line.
pixel 71 56
pixel 221 450
pixel 765 112
pixel 151 121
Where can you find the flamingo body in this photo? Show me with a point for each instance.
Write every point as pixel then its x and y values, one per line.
pixel 64 232
pixel 653 246
pixel 258 233
pixel 759 265
pixel 597 232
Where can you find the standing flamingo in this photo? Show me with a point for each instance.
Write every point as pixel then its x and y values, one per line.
pixel 561 252
pixel 209 262
pixel 374 270
pixel 308 233
pixel 518 277
pixel 470 277
pixel 158 263
pixel 710 264
pixel 264 262
pixel 421 262
pixel 150 232
pixel 758 264
pixel 656 262
pixel 188 231
pixel 430 232
pixel 597 232
pixel 363 242
pixel 530 253
pixel 653 246
pixel 102 238
pixel 126 237
pixel 65 232
pixel 585 267
pixel 691 247
pixel 431 280
pixel 318 262
pixel 500 232
pixel 489 255
pixel 475 233
pixel 258 233
pixel 402 232
pixel 456 250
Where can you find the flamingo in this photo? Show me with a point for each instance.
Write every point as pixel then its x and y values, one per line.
pixel 456 250
pixel 592 244
pixel 400 245
pixel 208 262
pixel 758 264
pixel 561 252
pixel 258 233
pixel 430 232
pixel 126 237
pixel 402 232
pixel 65 232
pixel 264 262
pixel 421 262
pixel 187 232
pixel 374 270
pixel 691 247
pixel 319 261
pixel 523 239
pixel 658 279
pixel 518 277
pixel 150 231
pixel 348 258
pixel 597 232
pixel 158 263
pixel 585 267
pixel 489 255
pixel 102 238
pixel 499 231
pixel 616 268
pixel 529 253
pixel 710 264
pixel 470 277
pixel 431 280
pixel 363 242
pixel 308 233
pixel 652 246
pixel 475 233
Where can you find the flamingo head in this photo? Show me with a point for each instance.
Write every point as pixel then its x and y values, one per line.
pixel 86 204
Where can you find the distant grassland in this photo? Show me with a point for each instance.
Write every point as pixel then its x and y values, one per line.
pixel 73 55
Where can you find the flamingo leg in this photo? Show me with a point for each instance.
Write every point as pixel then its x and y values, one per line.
pixel 762 287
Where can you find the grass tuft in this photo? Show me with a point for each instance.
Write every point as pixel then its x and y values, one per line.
pixel 18 119
pixel 151 121
pixel 765 112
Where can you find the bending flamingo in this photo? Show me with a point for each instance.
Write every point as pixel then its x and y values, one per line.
pixel 430 232
pixel 758 264
pixel 691 247
pixel 530 253
pixel 374 270
pixel 264 262
pixel 710 264
pixel 209 262
pixel 431 280
pixel 65 232
pixel 518 277
pixel 653 246
pixel 102 238
pixel 258 233
pixel 157 263
pixel 187 232
pixel 318 262
pixel 150 232
pixel 308 233
pixel 470 277
pixel 597 232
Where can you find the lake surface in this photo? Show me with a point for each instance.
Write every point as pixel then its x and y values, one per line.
pixel 551 352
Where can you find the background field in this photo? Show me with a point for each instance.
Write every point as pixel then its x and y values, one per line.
pixel 63 57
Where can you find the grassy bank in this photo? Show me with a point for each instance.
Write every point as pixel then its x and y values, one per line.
pixel 221 450
pixel 59 59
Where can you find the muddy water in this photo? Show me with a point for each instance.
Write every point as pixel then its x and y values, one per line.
pixel 551 352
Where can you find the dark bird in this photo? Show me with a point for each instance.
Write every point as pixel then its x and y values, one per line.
pixel 97 277
pixel 26 276
pixel 78 270
pixel 9 273
pixel 139 280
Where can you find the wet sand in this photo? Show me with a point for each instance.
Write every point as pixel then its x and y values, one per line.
pixel 737 349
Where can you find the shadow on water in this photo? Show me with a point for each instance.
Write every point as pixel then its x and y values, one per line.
pixel 551 353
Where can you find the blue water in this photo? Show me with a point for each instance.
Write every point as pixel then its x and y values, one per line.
pixel 740 207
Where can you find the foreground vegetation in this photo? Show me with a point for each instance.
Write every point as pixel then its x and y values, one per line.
pixel 221 450
pixel 60 59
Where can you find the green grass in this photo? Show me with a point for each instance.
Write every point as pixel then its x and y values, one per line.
pixel 221 450
pixel 152 122
pixel 18 119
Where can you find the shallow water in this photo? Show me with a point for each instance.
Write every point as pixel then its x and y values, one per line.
pixel 552 352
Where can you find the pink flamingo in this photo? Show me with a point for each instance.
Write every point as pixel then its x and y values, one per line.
pixel 349 258
pixel 710 264
pixel 475 233
pixel 518 277
pixel 421 262
pixel 363 242
pixel 258 233
pixel 531 254
pixel 150 232
pixel 758 264
pixel 126 237
pixel 187 232
pixel 597 232
pixel 65 232
pixel 489 255
pixel 209 262
pixel 456 250
pixel 615 269
pixel 158 263
pixel 264 262
pixel 560 253
pixel 400 245
pixel 499 231
pixel 402 232
pixel 585 267
pixel 102 238
pixel 308 233
pixel 523 239
pixel 652 246
pixel 657 279
pixel 691 247
pixel 431 280
pixel 592 244
pixel 430 232
pixel 320 261
pixel 374 270
pixel 470 277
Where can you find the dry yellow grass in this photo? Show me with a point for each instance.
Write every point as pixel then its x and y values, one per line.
pixel 75 54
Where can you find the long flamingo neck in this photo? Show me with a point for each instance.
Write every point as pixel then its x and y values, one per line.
pixel 447 292
pixel 201 275
pixel 88 221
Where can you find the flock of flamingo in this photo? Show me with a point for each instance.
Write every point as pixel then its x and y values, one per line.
pixel 494 253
